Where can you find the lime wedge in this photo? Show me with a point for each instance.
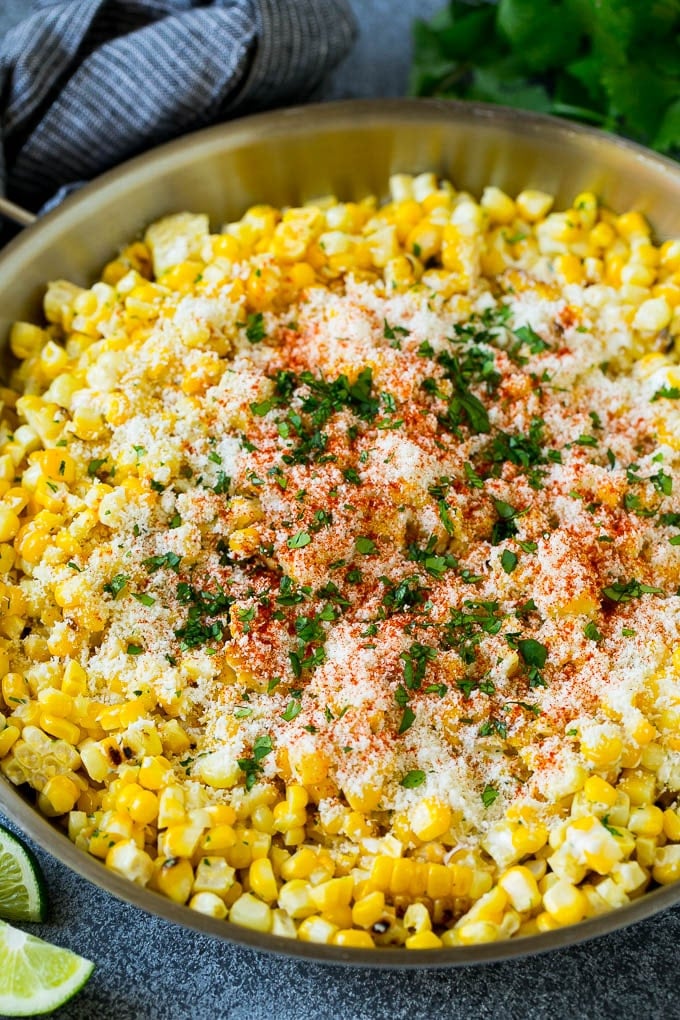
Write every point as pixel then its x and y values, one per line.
pixel 36 977
pixel 22 887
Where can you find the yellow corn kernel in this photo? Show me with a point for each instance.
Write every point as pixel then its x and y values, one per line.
pixel 602 235
pixel 639 785
pixel 8 738
pixel 499 207
pixel 671 821
pixel 262 880
pixel 300 864
pixel 15 689
pixel 58 796
pixel 602 748
pixel 632 224
pixel 529 839
pixel 336 892
pixel 175 878
pixel 350 938
pixel 55 702
pixel 423 940
pixel 666 864
pixel 174 738
pixel 569 268
pixel 140 804
pixel 533 205
pixel 565 903
pixel 316 929
pixel 213 874
pixel 430 818
pixel 250 912
pixel 181 840
pixel 153 772
pixel 209 904
pixel 295 898
pixel 599 791
pixel 369 909
pixel 60 728
pixel 586 208
pixel 476 932
pixel 26 340
pixel 9 524
pixel 128 860
pixel 646 821
pixel 521 888
pixel 652 315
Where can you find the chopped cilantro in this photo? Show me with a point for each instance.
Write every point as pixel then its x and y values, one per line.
pixel 489 796
pixel 116 585
pixel 298 541
pixel 412 779
pixel 508 561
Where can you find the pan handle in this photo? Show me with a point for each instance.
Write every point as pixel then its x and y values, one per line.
pixel 15 213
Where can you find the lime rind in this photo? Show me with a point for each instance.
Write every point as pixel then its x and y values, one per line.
pixel 35 976
pixel 23 895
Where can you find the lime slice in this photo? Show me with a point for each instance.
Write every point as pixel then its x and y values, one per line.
pixel 22 887
pixel 36 977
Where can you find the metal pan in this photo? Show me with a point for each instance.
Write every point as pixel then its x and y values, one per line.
pixel 348 149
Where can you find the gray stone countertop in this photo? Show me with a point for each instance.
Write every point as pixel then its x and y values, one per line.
pixel 147 969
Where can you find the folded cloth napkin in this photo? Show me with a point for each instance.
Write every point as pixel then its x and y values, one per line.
pixel 85 84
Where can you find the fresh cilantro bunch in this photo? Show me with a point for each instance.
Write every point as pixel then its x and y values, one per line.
pixel 610 63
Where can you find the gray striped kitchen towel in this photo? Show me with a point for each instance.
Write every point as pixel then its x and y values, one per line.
pixel 85 84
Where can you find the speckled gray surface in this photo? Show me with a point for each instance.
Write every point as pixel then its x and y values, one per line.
pixel 147 969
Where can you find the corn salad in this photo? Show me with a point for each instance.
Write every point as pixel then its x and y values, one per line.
pixel 340 557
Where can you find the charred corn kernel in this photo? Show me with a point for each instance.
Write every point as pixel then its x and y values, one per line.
pixel 417 918
pixel 565 903
pixel 599 791
pixel 60 728
pixel 175 878
pixel 128 860
pixel 58 796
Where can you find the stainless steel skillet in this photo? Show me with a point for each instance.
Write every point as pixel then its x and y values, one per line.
pixel 348 149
